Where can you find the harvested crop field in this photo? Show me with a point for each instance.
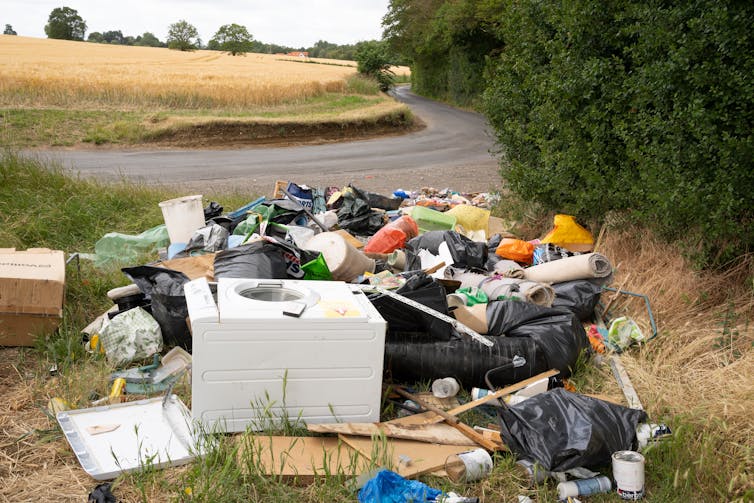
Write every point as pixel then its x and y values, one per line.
pixel 39 72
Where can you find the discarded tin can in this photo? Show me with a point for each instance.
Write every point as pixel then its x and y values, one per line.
pixel 584 487
pixel 532 472
pixel 628 472
pixel 468 466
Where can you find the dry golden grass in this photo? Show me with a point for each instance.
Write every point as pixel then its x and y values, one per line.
pixel 701 365
pixel 38 73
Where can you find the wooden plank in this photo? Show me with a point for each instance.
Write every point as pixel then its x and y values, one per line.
pixel 305 458
pixel 431 417
pixel 625 384
pixel 452 420
pixel 408 458
pixel 439 433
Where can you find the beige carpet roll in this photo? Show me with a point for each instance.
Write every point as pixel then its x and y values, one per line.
pixel 588 266
pixel 498 288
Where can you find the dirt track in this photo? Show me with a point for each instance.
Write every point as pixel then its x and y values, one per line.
pixel 452 151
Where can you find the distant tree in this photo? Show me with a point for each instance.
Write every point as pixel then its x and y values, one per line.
pixel 233 38
pixel 148 40
pixel 9 30
pixel 113 37
pixel 372 59
pixel 95 37
pixel 129 40
pixel 65 23
pixel 183 36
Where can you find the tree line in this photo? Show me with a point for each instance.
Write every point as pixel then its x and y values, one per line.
pixel 65 23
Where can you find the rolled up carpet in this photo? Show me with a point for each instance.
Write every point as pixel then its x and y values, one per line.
pixel 509 269
pixel 498 288
pixel 590 265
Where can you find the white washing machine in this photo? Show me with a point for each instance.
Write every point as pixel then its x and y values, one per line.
pixel 267 350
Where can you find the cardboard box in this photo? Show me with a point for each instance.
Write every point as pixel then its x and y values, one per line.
pixel 32 290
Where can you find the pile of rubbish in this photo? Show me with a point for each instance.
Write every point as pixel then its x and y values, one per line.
pixel 339 294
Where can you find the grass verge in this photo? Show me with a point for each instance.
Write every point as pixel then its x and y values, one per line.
pixel 361 109
pixel 696 375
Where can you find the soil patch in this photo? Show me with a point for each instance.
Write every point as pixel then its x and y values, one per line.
pixel 229 134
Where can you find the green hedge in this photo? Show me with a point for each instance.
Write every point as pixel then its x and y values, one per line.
pixel 644 107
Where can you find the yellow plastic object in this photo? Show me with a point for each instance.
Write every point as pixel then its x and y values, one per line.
pixel 95 345
pixel 471 217
pixel 116 391
pixel 568 234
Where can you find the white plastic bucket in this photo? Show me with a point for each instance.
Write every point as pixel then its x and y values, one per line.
pixel 628 472
pixel 183 215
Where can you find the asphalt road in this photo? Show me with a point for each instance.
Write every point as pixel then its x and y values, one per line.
pixel 454 150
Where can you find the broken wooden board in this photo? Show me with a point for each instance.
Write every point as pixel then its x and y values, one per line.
pixel 305 458
pixel 439 433
pixel 430 417
pixel 422 457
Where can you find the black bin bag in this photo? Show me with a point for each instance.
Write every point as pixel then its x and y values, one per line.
pixel 561 430
pixel 465 252
pixel 558 335
pixel 579 296
pixel 546 338
pixel 164 287
pixel 402 319
pixel 259 260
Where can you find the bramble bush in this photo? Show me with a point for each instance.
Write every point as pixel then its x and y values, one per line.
pixel 642 107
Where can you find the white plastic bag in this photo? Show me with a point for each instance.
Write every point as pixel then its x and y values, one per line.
pixel 133 335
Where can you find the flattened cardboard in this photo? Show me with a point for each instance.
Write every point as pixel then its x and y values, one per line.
pixel 423 457
pixel 32 290
pixel 305 458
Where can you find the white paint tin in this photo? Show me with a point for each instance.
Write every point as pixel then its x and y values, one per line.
pixel 628 472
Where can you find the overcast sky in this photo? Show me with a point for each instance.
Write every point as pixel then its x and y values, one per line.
pixel 294 23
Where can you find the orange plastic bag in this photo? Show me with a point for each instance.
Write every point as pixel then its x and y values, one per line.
pixel 393 236
pixel 516 249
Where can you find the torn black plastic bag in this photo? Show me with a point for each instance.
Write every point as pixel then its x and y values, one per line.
pixel 558 334
pixel 562 430
pixel 259 260
pixel 402 318
pixel 580 297
pixel 356 215
pixel 465 252
pixel 412 358
pixel 165 289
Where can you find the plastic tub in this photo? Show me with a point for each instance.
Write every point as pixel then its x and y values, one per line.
pixel 431 220
pixel 183 215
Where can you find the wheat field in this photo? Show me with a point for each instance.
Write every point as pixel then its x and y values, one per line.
pixel 44 73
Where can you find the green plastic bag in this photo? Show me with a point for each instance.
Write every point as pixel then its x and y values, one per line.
pixel 623 332
pixel 116 248
pixel 474 295
pixel 317 269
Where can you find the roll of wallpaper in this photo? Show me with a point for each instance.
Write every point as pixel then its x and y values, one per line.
pixel 588 266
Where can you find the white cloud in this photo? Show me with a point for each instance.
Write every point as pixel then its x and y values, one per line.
pixel 295 23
